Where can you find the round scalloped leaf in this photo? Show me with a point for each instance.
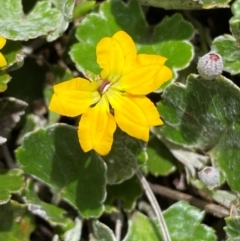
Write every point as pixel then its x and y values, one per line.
pixel 197 114
pixel 160 159
pixel 205 115
pixel 170 38
pixel 4 79
pixel 15 222
pixel 11 181
pixel 179 218
pixel 15 25
pixel 128 192
pixel 77 177
pixel 122 160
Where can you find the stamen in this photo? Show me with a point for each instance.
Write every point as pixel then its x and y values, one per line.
pixel 104 86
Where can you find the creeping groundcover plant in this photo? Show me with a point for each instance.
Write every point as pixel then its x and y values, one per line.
pixel 124 81
pixel 119 120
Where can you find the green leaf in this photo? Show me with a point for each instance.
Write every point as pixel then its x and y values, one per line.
pixel 226 153
pixel 205 115
pixel 196 115
pixel 15 25
pixel 233 228
pixel 236 8
pixel 184 223
pixel 179 218
pixel 109 19
pixel 86 61
pixel 31 123
pixel 128 192
pixel 170 38
pixel 4 79
pixel 51 213
pixel 11 181
pixel 77 177
pixel 160 160
pixel 141 228
pixel 15 222
pixel 66 9
pixel 228 45
pixel 102 232
pixel 122 160
pixel 10 111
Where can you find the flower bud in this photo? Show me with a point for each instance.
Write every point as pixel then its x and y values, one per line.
pixel 210 176
pixel 210 66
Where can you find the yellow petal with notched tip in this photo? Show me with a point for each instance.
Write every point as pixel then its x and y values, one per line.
pixel 96 128
pixel 72 98
pixel 131 114
pixel 2 42
pixel 147 108
pixel 3 61
pixel 115 54
pixel 147 76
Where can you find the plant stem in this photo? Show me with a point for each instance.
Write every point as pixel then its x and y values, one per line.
pixel 153 201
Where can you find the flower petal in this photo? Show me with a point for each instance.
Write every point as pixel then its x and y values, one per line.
pixel 73 97
pixel 115 54
pixel 96 128
pixel 3 61
pixel 148 109
pixel 148 75
pixel 131 114
pixel 2 42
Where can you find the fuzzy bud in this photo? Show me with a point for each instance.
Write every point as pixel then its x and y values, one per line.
pixel 210 176
pixel 210 66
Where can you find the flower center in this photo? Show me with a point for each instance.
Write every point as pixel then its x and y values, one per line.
pixel 104 86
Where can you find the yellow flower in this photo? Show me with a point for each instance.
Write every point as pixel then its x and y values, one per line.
pixel 3 61
pixel 116 97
